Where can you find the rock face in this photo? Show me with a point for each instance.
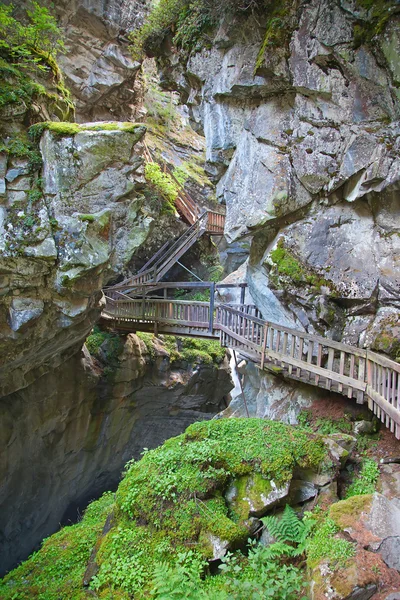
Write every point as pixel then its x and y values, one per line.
pixel 66 439
pixel 62 237
pixel 304 148
pixel 98 67
pixel 372 522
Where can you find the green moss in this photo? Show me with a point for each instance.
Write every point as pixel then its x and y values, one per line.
pixel 162 183
pixel 285 264
pixel 193 350
pixel 378 15
pixel 366 481
pixel 56 571
pixel 111 346
pixel 346 512
pixel 277 31
pixel 63 129
pixel 168 507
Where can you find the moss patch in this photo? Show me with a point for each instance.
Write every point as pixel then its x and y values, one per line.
pixel 285 264
pixel 346 512
pixel 64 129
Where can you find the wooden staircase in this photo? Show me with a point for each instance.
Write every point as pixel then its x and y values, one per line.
pixel 200 220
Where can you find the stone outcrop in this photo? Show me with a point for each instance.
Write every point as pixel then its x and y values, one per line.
pixel 372 522
pixel 62 237
pixel 65 439
pixel 97 65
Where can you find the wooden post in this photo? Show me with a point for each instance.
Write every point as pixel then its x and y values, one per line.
pixel 212 294
pixel 242 294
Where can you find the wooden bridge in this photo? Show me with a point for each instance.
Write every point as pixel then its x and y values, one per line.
pixel 350 371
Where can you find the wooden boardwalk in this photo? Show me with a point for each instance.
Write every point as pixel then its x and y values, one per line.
pixel 353 372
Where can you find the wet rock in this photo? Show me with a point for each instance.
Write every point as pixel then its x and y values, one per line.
pixel 390 552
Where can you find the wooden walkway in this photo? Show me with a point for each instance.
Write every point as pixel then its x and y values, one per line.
pixel 348 370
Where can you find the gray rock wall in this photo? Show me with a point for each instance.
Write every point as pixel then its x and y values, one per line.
pixel 305 153
pixel 62 237
pixel 97 65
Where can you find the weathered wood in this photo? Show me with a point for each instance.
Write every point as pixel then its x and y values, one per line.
pixel 354 371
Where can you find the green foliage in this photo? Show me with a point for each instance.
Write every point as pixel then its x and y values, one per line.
pixel 65 128
pixel 22 147
pixel 326 544
pixel 194 350
pixel 28 48
pixel 189 19
pixel 366 481
pixel 22 40
pixel 162 182
pixel 110 344
pixel 168 505
pixel 289 528
pixel 189 23
pixel 56 571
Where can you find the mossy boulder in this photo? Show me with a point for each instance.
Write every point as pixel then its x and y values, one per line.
pixel 170 503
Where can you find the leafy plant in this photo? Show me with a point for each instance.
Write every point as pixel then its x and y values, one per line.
pixel 289 528
pixel 325 544
pixel 366 481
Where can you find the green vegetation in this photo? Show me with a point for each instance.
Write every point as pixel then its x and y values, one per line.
pixel 29 45
pixel 22 147
pixel 163 184
pixel 326 544
pixel 172 499
pixel 56 571
pixel 167 508
pixel 285 264
pixel 277 32
pixel 192 351
pixel 190 22
pixel 324 425
pixel 62 129
pixel 366 481
pixel 111 344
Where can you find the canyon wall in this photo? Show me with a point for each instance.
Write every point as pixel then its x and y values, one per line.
pixel 302 138
pixel 66 438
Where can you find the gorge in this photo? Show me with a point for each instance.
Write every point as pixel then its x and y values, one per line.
pixel 283 115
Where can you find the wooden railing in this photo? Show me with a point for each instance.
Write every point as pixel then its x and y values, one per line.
pixel 350 371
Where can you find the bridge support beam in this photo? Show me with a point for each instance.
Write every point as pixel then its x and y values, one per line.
pixel 212 297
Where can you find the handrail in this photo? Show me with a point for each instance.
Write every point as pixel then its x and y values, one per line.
pixel 153 258
pixel 351 371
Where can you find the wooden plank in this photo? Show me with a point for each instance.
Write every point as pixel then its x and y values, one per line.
pixel 331 356
pixel 341 368
pixel 301 344
pixel 384 405
pixel 292 349
pixel 359 385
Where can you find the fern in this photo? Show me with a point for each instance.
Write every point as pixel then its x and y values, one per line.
pixel 289 528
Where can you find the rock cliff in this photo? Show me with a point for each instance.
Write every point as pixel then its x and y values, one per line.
pixel 98 66
pixel 66 438
pixel 301 120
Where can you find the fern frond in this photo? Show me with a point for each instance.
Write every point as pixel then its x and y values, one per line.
pixel 288 528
